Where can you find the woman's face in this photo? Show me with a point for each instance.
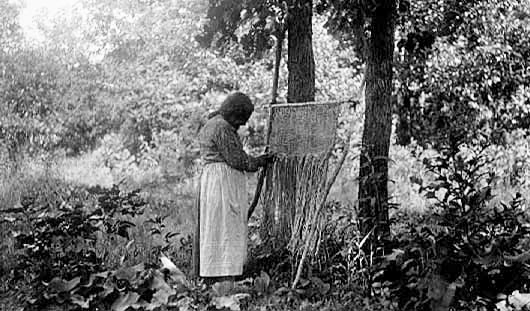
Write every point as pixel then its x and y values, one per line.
pixel 238 120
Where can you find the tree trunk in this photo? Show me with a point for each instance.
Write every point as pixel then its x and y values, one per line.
pixel 373 173
pixel 403 129
pixel 300 62
pixel 301 79
pixel 300 88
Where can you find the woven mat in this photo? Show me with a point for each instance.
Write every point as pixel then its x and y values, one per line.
pixel 303 130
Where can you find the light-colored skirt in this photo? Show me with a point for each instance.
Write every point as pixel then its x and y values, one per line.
pixel 223 221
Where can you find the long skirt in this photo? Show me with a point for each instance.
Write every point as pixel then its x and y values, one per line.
pixel 223 221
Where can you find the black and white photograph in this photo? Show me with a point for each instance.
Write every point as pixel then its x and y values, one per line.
pixel 264 155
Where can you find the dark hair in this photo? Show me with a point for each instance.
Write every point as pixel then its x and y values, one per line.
pixel 236 104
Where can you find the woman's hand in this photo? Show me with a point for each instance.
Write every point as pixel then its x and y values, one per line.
pixel 265 159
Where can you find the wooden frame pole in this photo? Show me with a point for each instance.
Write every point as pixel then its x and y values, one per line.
pixel 274 94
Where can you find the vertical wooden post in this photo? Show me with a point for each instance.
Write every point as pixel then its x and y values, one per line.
pixel 195 265
pixel 274 94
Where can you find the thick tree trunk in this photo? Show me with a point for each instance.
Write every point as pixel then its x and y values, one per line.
pixel 373 174
pixel 300 62
pixel 300 58
pixel 300 88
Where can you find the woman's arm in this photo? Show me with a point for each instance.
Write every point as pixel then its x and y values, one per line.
pixel 230 147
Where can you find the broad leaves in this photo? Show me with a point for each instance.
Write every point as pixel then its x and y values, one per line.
pixel 135 287
pixel 261 283
pixel 125 301
pixel 516 301
pixel 58 285
pixel 174 273
pixel 231 302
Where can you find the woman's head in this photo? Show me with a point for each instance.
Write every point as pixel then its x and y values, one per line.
pixel 236 109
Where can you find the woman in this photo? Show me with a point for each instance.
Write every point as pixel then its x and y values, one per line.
pixel 223 197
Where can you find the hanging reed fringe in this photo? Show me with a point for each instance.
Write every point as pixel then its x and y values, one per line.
pixel 303 135
pixel 315 224
pixel 292 187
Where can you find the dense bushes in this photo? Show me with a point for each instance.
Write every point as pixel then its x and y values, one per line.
pixel 59 238
pixel 462 70
pixel 465 251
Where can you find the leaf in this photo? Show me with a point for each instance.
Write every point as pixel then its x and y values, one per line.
pixel 262 282
pixel 108 288
pixel 169 235
pixel 175 273
pixel 395 254
pixel 185 304
pixel 10 219
pixel 162 290
pixel 281 291
pixel 125 301
pixel 378 274
pixel 222 288
pixel 129 273
pixel 437 288
pixel 322 287
pixel 95 276
pixel 304 282
pixel 226 302
pixel 231 302
pixel 59 285
pixel 123 227
pixel 81 301
pixel 515 301
pixel 168 264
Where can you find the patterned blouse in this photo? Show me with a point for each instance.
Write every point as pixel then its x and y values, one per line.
pixel 219 142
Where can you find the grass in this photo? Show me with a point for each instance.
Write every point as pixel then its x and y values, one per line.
pixel 45 177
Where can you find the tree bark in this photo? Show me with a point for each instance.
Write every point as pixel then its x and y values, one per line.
pixel 373 173
pixel 300 88
pixel 301 67
pixel 300 62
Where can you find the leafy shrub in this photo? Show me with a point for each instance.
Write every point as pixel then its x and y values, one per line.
pixel 463 251
pixel 137 287
pixel 454 82
pixel 61 239
pixel 273 260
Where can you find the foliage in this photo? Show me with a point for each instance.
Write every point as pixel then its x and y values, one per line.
pixel 247 23
pixel 29 87
pixel 129 287
pixel 48 106
pixel 333 256
pixel 349 20
pixel 61 240
pixel 464 251
pixel 10 32
pixel 461 70
pixel 63 269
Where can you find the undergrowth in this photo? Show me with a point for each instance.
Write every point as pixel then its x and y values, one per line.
pixel 459 242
